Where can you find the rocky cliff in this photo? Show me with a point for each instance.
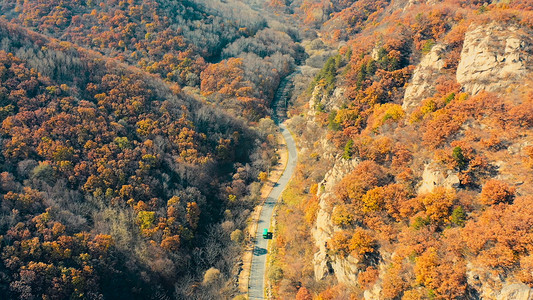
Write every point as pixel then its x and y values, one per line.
pixel 492 287
pixel 435 176
pixel 494 57
pixel 422 84
pixel 345 269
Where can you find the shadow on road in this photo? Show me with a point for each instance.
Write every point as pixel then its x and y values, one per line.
pixel 259 251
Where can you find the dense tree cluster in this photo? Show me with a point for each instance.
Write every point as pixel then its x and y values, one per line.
pixel 175 40
pixel 111 175
pixel 110 171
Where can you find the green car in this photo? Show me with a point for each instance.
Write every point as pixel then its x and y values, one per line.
pixel 265 233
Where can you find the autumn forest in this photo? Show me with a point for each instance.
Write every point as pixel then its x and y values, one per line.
pixel 137 137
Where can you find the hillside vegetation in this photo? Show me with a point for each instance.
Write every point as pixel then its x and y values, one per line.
pixel 114 181
pixel 416 139
pixel 134 135
pixel 191 43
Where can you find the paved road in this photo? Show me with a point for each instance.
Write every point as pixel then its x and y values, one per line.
pixel 257 273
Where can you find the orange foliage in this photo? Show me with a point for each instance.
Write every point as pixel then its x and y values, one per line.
pixel 368 277
pixel 394 282
pixel 501 233
pixel 495 192
pixel 361 243
pixel 438 204
pixel 225 78
pixel 526 270
pixel 446 278
pixel 171 243
pixel 367 175
pixel 338 291
pixel 303 294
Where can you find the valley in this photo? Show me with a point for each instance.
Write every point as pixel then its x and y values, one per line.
pixel 139 140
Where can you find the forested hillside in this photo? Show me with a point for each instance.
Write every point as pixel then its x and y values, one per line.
pixel 416 138
pixel 242 57
pixel 115 183
pixel 109 180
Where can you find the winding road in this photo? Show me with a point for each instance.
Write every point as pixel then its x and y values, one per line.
pixel 257 274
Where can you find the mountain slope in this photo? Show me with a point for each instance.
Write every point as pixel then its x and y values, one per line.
pixel 111 177
pixel 415 179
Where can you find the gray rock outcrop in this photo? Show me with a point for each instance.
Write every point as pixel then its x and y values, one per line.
pixel 422 84
pixel 343 268
pixel 435 176
pixel 494 56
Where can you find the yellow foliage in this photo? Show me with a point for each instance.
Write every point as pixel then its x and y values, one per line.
pixel 428 106
pixel 263 176
pixel 438 204
pixel 384 112
pixel 426 267
pixel 146 219
pixel 372 200
pixel 311 209
pixel 343 216
pixel 346 117
pixel 173 201
pixel 314 189
pixel 361 243
pixel 144 127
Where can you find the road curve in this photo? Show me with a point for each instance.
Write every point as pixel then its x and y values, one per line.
pixel 256 283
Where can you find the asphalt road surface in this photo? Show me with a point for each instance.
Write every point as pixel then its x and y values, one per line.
pixel 257 274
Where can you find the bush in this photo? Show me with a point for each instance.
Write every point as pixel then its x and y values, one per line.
pixel 427 46
pixel 146 219
pixel 343 216
pixel 212 275
pixel 459 158
pixel 332 121
pixel 458 216
pixel 263 176
pixel 368 277
pixel 43 172
pixel 362 243
pixel 438 205
pixel 303 294
pixel 420 222
pixel 495 191
pixel 237 236
pixel 338 244
pixel 348 150
pixel 275 273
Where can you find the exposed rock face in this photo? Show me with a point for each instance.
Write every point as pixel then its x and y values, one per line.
pixel 516 291
pixel 422 84
pixel 415 2
pixel 494 56
pixel 492 287
pixel 330 102
pixel 434 176
pixel 344 268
